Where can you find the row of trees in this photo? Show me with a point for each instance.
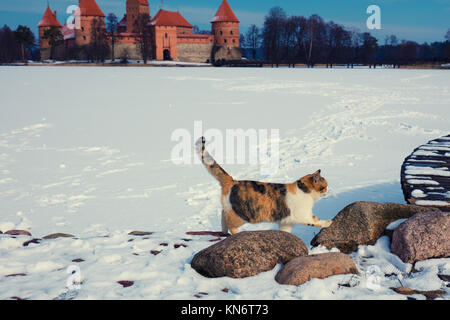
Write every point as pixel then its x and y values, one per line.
pixel 18 45
pixel 282 39
pixel 297 39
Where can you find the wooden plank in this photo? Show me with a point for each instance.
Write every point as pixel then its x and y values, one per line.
pixel 440 159
pixel 440 179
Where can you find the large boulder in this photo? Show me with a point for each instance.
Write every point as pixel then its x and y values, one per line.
pixel 426 235
pixel 18 233
pixel 247 254
pixel 321 266
pixel 58 235
pixel 362 223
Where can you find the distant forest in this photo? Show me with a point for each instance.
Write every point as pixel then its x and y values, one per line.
pixel 282 39
pixel 310 41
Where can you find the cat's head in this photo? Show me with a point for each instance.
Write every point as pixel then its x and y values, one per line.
pixel 314 184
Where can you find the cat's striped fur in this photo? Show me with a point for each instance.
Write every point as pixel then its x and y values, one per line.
pixel 255 202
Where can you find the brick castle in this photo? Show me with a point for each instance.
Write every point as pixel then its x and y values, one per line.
pixel 172 34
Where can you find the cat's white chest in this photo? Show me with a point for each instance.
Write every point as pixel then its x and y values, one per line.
pixel 300 205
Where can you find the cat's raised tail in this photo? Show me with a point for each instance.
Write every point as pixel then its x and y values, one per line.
pixel 213 167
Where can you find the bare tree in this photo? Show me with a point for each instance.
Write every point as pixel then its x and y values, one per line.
pixel 9 50
pixel 447 47
pixel 391 52
pixel 55 39
pixel 369 49
pixel 317 39
pixel 253 39
pixel 25 38
pixel 336 37
pixel 111 30
pixel 98 48
pixel 272 34
pixel 144 36
pixel 408 50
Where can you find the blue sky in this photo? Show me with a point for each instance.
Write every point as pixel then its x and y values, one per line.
pixel 418 20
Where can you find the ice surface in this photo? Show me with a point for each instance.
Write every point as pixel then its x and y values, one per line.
pixel 86 151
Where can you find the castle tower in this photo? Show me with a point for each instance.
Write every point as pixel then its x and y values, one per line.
pixel 225 26
pixel 48 21
pixel 135 8
pixel 89 11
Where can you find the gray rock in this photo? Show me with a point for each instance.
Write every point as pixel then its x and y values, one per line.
pixel 18 233
pixel 424 236
pixel 247 254
pixel 58 235
pixel 140 233
pixel 321 266
pixel 430 295
pixel 362 223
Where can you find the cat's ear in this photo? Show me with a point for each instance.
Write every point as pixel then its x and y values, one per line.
pixel 316 176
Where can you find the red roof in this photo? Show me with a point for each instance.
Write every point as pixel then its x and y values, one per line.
pixel 170 18
pixel 49 19
pixel 143 2
pixel 90 8
pixel 225 13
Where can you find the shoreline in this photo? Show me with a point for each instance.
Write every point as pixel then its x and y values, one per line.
pixel 204 65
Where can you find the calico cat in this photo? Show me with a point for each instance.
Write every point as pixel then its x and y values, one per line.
pixel 255 202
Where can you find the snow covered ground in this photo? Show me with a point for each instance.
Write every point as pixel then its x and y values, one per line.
pixel 87 151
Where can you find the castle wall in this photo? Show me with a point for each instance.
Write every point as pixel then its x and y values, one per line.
pixel 58 53
pixel 45 53
pixel 227 53
pixel 126 49
pixel 195 52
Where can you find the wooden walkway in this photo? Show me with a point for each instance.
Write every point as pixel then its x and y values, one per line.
pixel 425 175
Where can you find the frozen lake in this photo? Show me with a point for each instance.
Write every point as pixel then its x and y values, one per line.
pixel 87 151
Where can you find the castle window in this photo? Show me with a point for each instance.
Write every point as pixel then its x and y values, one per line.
pixel 82 29
pixel 225 40
pixel 84 37
pixel 231 32
pixel 221 33
pixel 166 35
pixel 234 40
